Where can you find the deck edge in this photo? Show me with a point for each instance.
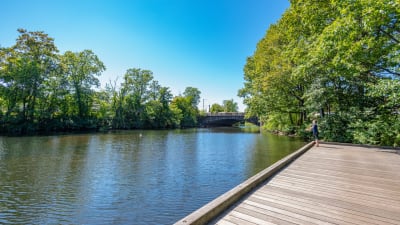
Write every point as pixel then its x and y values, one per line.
pixel 214 208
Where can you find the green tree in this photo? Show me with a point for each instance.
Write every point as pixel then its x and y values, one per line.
pixel 194 94
pixel 356 50
pixel 270 89
pixel 81 69
pixel 53 107
pixel 102 108
pixel 188 113
pixel 158 112
pixel 135 94
pixel 154 90
pixel 380 124
pixel 25 68
pixel 117 104
pixel 230 106
pixel 216 108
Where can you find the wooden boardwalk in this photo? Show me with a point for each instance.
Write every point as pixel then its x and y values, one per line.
pixel 329 184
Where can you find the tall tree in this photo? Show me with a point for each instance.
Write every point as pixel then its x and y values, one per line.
pixel 53 107
pixel 158 113
pixel 194 94
pixel 25 67
pixel 136 92
pixel 82 69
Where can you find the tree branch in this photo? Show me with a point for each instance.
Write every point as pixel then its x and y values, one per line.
pixel 390 35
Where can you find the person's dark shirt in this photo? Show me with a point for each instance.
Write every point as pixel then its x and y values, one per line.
pixel 315 129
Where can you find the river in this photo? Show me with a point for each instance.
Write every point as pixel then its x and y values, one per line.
pixel 127 177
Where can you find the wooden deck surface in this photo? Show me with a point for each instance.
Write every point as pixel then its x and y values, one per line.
pixel 329 184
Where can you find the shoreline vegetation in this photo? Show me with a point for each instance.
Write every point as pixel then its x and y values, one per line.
pixel 43 91
pixel 334 61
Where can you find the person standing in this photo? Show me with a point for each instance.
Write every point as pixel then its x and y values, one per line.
pixel 314 129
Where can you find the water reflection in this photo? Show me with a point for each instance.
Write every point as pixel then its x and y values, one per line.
pixel 127 177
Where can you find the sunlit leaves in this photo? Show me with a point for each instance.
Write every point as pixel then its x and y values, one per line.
pixel 82 69
pixel 325 57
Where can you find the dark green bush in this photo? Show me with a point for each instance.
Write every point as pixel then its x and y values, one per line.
pixel 336 127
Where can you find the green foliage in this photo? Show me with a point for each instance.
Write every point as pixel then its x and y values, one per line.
pixel 227 106
pixel 42 91
pixel 275 122
pixel 336 127
pixel 216 108
pixel 381 130
pixel 380 125
pixel 329 59
pixel 186 111
pixel 25 69
pixel 194 94
pixel 230 106
pixel 81 69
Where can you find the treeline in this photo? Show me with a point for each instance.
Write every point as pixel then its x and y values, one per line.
pixel 338 61
pixel 44 91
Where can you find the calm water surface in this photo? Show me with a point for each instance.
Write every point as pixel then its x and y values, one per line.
pixel 127 177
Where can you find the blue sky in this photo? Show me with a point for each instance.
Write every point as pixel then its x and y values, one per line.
pixel 198 43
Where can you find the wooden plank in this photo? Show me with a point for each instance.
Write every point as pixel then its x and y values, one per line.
pixel 345 196
pixel 373 167
pixel 312 206
pixel 334 202
pixel 321 217
pixel 351 181
pixel 350 170
pixel 359 157
pixel 283 219
pixel 317 203
pixel 340 177
pixel 393 194
pixel 273 213
pixel 331 212
pixel 331 184
pixel 284 213
pixel 260 215
pixel 343 173
pixel 340 185
pixel 226 222
pixel 250 218
pixel 235 219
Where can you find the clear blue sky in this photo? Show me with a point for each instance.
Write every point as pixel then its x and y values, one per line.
pixel 197 43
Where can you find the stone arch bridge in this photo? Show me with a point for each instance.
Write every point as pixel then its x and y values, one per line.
pixel 225 119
